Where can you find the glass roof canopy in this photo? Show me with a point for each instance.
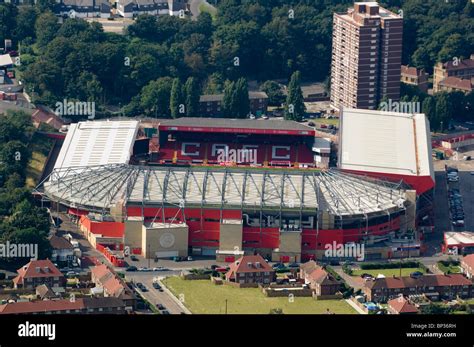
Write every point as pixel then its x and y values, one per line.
pixel 339 193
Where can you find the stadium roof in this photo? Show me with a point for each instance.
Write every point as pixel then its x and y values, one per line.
pixel 97 143
pixel 99 188
pixel 256 126
pixel 385 142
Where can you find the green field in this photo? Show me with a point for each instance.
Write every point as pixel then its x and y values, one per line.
pixel 388 272
pixel 203 297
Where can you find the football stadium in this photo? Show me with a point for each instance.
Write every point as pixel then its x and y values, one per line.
pixel 164 191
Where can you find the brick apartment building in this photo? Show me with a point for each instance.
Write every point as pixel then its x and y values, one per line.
pixel 211 105
pixel 443 286
pixel 458 69
pixel 366 56
pixel 38 272
pixel 415 77
pixel 250 269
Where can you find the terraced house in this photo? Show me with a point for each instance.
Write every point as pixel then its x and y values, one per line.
pixel 439 286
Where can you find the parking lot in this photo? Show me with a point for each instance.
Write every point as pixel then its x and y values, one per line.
pixel 461 190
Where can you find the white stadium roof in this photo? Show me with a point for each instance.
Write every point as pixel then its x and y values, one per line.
pixel 97 143
pixel 385 142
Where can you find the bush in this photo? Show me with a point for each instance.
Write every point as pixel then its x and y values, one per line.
pixel 374 266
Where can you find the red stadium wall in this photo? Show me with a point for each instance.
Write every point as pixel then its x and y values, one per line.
pixel 420 183
pixel 107 229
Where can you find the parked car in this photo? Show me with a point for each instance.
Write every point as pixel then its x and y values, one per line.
pixel 134 258
pixel 416 274
pixel 156 285
pixel 131 269
pixel 294 265
pixel 160 307
pixel 165 312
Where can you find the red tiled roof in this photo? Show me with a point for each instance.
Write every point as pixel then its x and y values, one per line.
pixel 401 305
pixel 423 281
pixel 462 64
pixel 409 70
pixel 58 242
pixel 59 305
pixel 37 268
pixel 456 82
pixel 108 280
pixel 469 260
pixel 41 306
pixel 249 263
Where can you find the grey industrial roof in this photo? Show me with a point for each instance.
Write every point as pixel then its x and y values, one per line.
pixel 339 193
pixel 268 124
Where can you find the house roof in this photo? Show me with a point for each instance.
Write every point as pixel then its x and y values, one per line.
pixel 317 273
pixel 45 292
pixel 5 60
pixel 220 97
pixel 423 281
pixel 39 268
pixel 60 305
pixel 111 283
pixel 468 260
pixel 249 263
pixel 58 242
pixel 402 305
pixel 457 83
pixel 459 65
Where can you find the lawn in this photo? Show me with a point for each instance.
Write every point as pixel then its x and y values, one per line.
pixel 454 269
pixel 333 121
pixel 203 297
pixel 40 147
pixel 388 272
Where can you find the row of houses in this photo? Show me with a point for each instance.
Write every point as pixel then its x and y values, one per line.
pixel 123 8
pixel 454 75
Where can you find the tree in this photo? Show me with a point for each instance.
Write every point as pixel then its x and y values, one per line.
pixel 429 109
pixel 191 89
pixel 443 110
pixel 176 99
pixel 228 101
pixel 155 97
pixel 46 28
pixel 294 107
pixel 242 102
pixel 25 26
pixel 274 93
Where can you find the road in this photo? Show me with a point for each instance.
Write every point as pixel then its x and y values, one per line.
pixel 166 298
